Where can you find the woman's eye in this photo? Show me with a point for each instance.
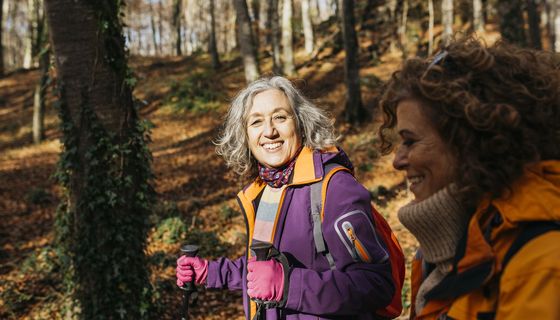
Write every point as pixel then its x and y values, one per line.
pixel 255 122
pixel 279 117
pixel 408 142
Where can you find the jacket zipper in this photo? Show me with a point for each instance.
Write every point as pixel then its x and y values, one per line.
pixel 358 246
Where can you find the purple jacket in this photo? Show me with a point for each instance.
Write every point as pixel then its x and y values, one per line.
pixel 351 291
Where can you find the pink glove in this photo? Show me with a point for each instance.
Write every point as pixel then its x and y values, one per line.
pixel 189 266
pixel 265 279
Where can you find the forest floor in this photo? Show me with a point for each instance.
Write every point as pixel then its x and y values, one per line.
pixel 196 193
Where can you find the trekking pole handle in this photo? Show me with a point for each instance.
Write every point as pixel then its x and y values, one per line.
pixel 189 250
pixel 261 249
pixel 189 287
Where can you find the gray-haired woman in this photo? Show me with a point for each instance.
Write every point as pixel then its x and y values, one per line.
pixel 284 141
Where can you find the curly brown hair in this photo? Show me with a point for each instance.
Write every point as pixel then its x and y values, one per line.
pixel 497 108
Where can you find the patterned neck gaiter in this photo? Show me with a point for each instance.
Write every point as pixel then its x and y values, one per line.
pixel 278 177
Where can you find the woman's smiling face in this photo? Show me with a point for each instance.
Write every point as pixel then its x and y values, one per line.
pixel 272 130
pixel 428 162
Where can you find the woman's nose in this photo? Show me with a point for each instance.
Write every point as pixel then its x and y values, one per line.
pixel 401 160
pixel 269 129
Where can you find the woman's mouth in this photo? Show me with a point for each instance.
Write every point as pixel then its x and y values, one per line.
pixel 272 146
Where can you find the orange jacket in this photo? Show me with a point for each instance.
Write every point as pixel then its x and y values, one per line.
pixel 529 288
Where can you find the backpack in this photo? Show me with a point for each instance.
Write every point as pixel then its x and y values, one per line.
pixel 382 228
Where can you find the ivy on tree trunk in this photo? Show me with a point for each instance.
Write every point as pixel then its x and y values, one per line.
pixel 105 164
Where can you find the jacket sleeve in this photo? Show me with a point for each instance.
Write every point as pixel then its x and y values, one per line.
pixel 362 281
pixel 226 274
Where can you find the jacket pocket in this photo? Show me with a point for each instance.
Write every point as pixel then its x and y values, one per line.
pixel 358 247
pixel 357 233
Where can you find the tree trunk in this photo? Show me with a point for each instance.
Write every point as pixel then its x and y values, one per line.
pixel 556 23
pixel 255 5
pixel 264 23
pixel 1 42
pixel 39 98
pixel 478 18
pixel 430 27
pixel 104 166
pixel 402 30
pixel 287 39
pixel 41 86
pixel 354 110
pixel 446 21
pixel 160 27
pixel 395 10
pixel 39 26
pixel 511 21
pixel 335 7
pixel 548 19
pixel 275 36
pixel 485 9
pixel 246 41
pixel 176 22
pixel 307 26
pixel 154 30
pixel 30 36
pixel 534 24
pixel 213 48
pixel 315 12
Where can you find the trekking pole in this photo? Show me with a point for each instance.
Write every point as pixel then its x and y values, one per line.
pixel 261 250
pixel 189 287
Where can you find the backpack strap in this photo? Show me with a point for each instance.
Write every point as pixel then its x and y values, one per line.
pixel 317 209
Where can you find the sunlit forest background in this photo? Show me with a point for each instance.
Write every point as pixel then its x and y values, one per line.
pixel 109 109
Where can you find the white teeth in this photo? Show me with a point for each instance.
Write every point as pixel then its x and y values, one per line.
pixel 272 146
pixel 415 179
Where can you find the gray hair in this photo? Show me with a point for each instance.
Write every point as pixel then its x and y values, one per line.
pixel 313 124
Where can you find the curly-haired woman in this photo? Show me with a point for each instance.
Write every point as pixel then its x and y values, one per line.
pixel 480 145
pixel 285 143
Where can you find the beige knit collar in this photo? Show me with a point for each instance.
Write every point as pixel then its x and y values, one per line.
pixel 438 223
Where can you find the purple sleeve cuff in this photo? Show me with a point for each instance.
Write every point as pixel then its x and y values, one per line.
pixel 212 278
pixel 295 290
pixel 225 274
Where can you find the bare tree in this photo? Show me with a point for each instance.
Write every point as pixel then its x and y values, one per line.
pixel 275 36
pixel 106 162
pixel 256 9
pixel 1 42
pixel 160 26
pixel 315 12
pixel 29 39
pixel 43 56
pixel 39 97
pixel 287 39
pixel 176 22
pixel 34 16
pixel 395 12
pixel 534 24
pixel 402 30
pixel 446 20
pixel 307 26
pixel 478 17
pixel 354 110
pixel 511 21
pixel 246 41
pixel 430 27
pixel 153 26
pixel 212 47
pixel 556 24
